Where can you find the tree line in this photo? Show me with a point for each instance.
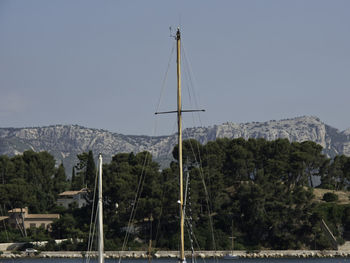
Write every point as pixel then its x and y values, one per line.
pixel 259 191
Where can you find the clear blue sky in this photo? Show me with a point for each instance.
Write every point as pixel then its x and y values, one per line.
pixel 100 64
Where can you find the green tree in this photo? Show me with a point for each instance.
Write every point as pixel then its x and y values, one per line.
pixel 85 171
pixel 60 182
pixel 65 227
pixel 337 176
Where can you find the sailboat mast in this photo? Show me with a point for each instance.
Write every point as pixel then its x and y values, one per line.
pixel 100 213
pixel 179 124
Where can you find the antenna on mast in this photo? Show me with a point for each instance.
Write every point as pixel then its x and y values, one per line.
pixel 172 34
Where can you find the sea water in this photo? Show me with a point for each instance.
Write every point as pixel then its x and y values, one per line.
pixel 267 260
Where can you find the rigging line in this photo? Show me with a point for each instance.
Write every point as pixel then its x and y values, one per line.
pixel 191 81
pixel 201 169
pixel 135 199
pixel 141 180
pixel 2 213
pixel 92 211
pixel 189 71
pixel 189 219
pixel 155 126
pixel 154 134
pixel 189 227
pixel 165 77
pixel 143 172
pixel 190 74
pixel 160 216
pixel 93 235
pixel 196 241
pixel 187 83
pixel 135 204
pixel 91 241
pixel 158 224
pixel 209 207
pixel 161 212
pixel 205 190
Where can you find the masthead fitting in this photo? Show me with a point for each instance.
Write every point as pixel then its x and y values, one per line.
pixel 178 34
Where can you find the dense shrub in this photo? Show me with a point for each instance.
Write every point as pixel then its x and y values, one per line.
pixel 330 197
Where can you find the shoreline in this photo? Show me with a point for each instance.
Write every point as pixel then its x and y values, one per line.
pixel 174 254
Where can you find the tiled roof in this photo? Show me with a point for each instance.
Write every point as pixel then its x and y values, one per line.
pixel 42 216
pixel 3 217
pixel 34 216
pixel 84 190
pixel 69 193
pixel 18 210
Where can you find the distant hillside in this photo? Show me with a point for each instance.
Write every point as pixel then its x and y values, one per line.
pixel 64 142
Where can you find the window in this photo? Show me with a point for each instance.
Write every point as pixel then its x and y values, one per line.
pixel 32 225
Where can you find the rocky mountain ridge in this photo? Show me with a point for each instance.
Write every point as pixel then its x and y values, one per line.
pixel 64 142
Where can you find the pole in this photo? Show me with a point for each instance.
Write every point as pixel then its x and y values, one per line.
pixel 100 213
pixel 179 124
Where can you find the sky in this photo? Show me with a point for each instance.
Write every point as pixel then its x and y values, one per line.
pixel 103 64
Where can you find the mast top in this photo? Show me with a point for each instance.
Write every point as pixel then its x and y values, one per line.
pixel 178 36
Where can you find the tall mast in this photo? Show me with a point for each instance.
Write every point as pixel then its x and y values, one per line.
pixel 179 125
pixel 179 112
pixel 100 213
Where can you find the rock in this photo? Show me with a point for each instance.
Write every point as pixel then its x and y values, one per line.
pixel 64 142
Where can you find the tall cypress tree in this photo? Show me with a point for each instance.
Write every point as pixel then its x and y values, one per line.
pixel 90 170
pixel 60 180
pixel 72 178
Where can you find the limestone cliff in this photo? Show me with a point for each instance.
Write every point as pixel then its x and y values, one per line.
pixel 64 142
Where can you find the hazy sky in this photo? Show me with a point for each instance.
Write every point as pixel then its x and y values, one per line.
pixel 101 64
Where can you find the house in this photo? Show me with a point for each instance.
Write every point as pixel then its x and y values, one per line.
pixel 3 218
pixel 20 216
pixel 69 197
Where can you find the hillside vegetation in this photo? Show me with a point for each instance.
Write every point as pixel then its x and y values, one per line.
pixel 265 189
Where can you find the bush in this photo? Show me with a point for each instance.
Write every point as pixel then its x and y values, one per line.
pixel 330 197
pixel 26 245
